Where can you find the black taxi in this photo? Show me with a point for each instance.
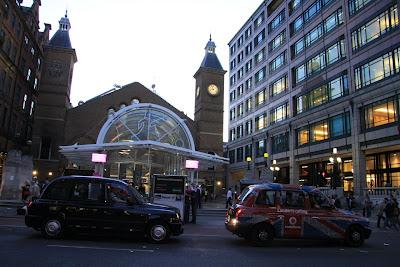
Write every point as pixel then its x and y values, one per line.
pixel 100 205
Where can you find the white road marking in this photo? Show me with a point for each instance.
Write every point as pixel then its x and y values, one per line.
pixel 101 248
pixel 196 235
pixel 13 226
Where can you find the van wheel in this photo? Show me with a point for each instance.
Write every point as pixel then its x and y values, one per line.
pixel 158 232
pixel 262 235
pixel 355 236
pixel 52 228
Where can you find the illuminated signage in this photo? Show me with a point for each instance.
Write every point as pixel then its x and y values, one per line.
pixel 192 164
pixel 99 158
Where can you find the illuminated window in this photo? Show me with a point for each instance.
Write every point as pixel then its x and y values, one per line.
pixel 280 113
pixel 279 86
pixel 375 28
pixel 356 5
pixel 302 136
pixel 380 113
pixel 261 122
pixel 319 131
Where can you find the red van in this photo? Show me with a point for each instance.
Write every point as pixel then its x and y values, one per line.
pixel 267 211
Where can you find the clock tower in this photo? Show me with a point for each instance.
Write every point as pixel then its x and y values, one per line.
pixel 53 101
pixel 209 102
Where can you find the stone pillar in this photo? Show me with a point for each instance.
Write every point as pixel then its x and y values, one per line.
pixel 17 171
pixel 358 156
pixel 293 164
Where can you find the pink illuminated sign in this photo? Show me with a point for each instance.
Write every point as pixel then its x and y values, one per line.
pixel 192 164
pixel 99 158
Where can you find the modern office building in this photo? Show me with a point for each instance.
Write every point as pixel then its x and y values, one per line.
pixel 315 85
pixel 21 60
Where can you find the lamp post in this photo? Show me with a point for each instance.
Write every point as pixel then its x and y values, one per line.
pixel 266 155
pixel 248 159
pixel 274 169
pixel 335 161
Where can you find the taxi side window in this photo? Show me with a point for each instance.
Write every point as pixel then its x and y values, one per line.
pixel 292 199
pixel 87 191
pixel 117 193
pixel 318 200
pixel 266 197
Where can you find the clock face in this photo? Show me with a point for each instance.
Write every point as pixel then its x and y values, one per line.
pixel 213 89
pixel 197 91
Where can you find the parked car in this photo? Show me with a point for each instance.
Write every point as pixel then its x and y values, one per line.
pixel 100 206
pixel 267 211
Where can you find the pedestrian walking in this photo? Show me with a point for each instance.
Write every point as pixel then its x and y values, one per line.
pixel 381 210
pixel 205 194
pixel 394 219
pixel 194 203
pixel 25 191
pixel 367 207
pixel 388 213
pixel 228 198
pixel 349 201
pixel 35 190
pixel 198 192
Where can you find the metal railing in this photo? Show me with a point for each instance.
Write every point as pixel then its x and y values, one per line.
pixel 383 191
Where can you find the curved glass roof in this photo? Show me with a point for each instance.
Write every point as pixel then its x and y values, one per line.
pixel 146 122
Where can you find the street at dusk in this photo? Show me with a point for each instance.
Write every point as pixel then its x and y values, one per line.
pixel 204 244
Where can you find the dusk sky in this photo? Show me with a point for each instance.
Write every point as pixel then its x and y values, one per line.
pixel 157 42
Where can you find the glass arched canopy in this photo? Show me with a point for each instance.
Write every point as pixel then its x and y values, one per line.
pixel 146 122
pixel 137 127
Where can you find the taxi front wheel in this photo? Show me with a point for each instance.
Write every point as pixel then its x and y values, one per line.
pixel 262 235
pixel 355 236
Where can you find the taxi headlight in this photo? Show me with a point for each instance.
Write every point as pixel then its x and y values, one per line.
pixel 234 221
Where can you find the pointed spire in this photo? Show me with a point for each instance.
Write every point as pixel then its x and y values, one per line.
pixel 65 25
pixel 210 47
pixel 61 37
pixel 210 59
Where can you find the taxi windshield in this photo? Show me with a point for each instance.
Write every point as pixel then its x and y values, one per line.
pixel 245 193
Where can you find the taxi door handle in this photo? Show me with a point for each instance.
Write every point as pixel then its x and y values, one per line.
pixel 314 217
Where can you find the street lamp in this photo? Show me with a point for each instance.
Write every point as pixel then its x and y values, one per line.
pixel 335 161
pixel 274 169
pixel 248 159
pixel 266 155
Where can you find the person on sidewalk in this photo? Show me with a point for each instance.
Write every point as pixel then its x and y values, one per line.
pixel 199 195
pixel 367 207
pixel 228 198
pixel 388 213
pixel 381 210
pixel 205 194
pixel 194 202
pixel 394 219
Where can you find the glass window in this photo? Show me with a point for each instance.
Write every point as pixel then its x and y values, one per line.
pixel 277 62
pixel 300 73
pixel 380 113
pixel 319 131
pixel 266 198
pixel 59 190
pixel 260 97
pixel 394 159
pixel 260 148
pixel 338 87
pixel 280 143
pixel 260 75
pixel 316 64
pixel 279 113
pixel 302 103
pixel 259 56
pixel 294 4
pixel 232 156
pixel 319 96
pixel 337 126
pixel 261 122
pixel 375 28
pixel 318 200
pixel 302 136
pixel 279 86
pixel 292 199
pixel 118 193
pixel 239 154
pixel 356 5
pixel 85 191
pixel 276 22
pixel 297 24
pixel 299 46
pixel 277 41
